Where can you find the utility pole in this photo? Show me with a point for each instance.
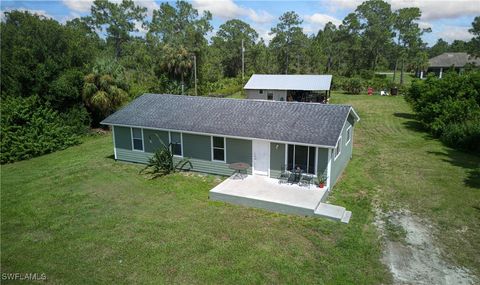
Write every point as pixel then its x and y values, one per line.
pixel 243 60
pixel 195 72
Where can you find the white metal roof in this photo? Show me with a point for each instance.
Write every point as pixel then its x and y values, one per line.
pixel 289 82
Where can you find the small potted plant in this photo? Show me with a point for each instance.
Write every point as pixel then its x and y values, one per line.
pixel 321 181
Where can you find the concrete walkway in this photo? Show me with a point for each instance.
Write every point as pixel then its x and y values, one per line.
pixel 266 193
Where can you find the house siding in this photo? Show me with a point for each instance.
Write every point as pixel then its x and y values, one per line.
pixel 341 162
pixel 277 159
pixel 153 139
pixel 277 94
pixel 123 138
pixel 196 147
pixel 239 150
pixel 322 161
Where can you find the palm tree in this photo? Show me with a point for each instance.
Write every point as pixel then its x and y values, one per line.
pixel 104 90
pixel 176 61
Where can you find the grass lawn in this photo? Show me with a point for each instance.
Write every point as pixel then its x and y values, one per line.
pixel 80 217
pixel 407 78
pixel 405 168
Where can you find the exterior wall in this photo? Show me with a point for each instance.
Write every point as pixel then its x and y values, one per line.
pixel 322 161
pixel 277 158
pixel 196 147
pixel 339 164
pixel 277 94
pixel 239 151
pixel 153 139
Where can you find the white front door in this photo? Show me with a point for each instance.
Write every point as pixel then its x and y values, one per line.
pixel 261 157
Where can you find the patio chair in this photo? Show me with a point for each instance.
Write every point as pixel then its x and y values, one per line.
pixel 284 175
pixel 306 180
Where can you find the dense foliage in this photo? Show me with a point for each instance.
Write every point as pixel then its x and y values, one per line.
pixel 30 129
pixel 87 68
pixel 450 107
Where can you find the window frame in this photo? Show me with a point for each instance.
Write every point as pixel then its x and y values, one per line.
pixel 212 148
pixel 338 147
pixel 315 162
pixel 181 143
pixel 270 93
pixel 349 134
pixel 142 138
pixel 260 91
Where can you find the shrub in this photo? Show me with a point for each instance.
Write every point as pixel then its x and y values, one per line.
pixel 29 129
pixel 449 107
pixel 161 163
pixel 353 85
pixel 462 135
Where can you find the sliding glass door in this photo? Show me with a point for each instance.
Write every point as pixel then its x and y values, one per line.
pixel 301 156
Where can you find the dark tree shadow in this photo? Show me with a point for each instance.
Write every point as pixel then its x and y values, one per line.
pixel 110 156
pixel 409 116
pixel 412 123
pixel 469 161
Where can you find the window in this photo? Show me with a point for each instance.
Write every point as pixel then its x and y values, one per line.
pixel 260 91
pixel 269 95
pixel 218 148
pixel 137 139
pixel 338 148
pixel 176 141
pixel 349 134
pixel 301 156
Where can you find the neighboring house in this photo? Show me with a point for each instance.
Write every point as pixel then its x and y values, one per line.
pixel 448 61
pixel 213 132
pixel 283 87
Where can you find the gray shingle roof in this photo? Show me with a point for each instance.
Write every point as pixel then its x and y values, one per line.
pixel 309 123
pixel 457 59
pixel 289 82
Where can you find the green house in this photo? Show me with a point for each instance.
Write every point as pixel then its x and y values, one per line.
pixel 270 136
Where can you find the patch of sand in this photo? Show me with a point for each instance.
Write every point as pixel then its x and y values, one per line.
pixel 417 260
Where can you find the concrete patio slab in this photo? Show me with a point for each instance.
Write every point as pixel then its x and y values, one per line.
pixel 266 193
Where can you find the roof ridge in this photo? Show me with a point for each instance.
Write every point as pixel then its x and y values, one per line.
pixel 250 100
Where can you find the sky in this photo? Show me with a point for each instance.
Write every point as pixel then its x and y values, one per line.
pixel 448 19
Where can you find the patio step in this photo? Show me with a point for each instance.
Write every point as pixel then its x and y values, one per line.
pixel 346 217
pixel 333 212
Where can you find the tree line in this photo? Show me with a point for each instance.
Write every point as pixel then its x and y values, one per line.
pixel 60 79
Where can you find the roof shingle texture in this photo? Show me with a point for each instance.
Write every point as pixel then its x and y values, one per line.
pixel 456 59
pixel 289 82
pixel 308 123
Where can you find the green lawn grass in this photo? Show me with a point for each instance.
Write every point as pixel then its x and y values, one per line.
pixel 408 169
pixel 80 217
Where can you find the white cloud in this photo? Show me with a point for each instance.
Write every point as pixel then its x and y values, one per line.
pixel 431 9
pixel 318 21
pixel 451 33
pixel 141 29
pixel 78 5
pixel 85 5
pixel 227 9
pixel 149 4
pixel 261 17
pixel 424 25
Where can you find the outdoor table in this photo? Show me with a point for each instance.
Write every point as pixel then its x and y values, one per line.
pixel 238 167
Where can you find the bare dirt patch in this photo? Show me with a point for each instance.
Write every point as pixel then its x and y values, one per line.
pixel 411 253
